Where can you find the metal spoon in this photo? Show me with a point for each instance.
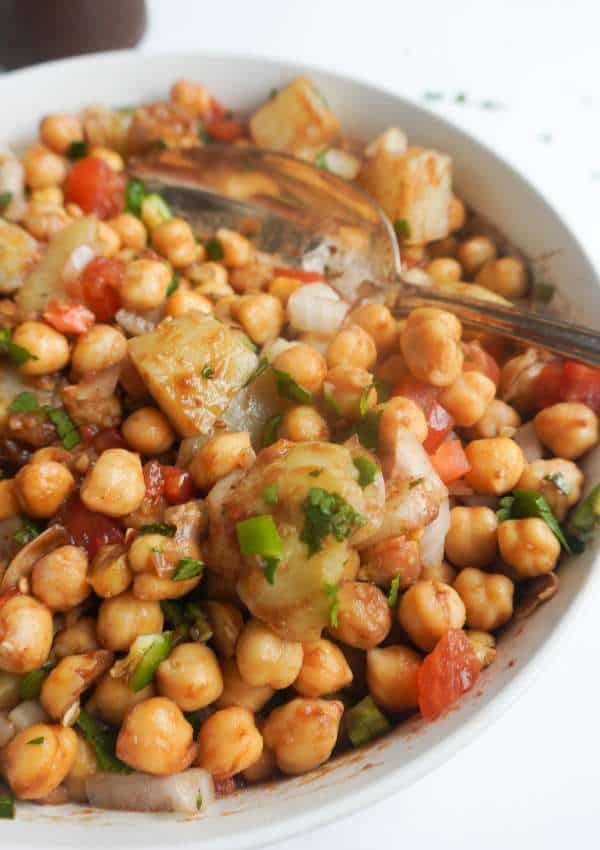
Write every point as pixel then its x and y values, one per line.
pixel 293 208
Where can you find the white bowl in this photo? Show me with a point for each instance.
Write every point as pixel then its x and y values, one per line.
pixel 259 816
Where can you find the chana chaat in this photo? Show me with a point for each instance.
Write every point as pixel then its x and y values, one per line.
pixel 245 523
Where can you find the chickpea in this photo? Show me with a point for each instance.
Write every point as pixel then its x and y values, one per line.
pixel 34 772
pixel 488 598
pixel 113 159
pixel 25 634
pixel 499 420
pixel 226 622
pixel 58 132
pixel 324 670
pixel 472 538
pixel 49 347
pixel 140 556
pixel 399 413
pixel 427 610
pixel 187 300
pixel 175 241
pixel 219 456
pixel 474 252
pixel 237 250
pixel 209 279
pixel 443 247
pixel 45 220
pixel 152 588
pixel 456 214
pixel 113 698
pixel 392 677
pixel 378 322
pixel 225 308
pixel 496 465
pixel 190 676
pixel 76 639
pixel 305 365
pixel 282 287
pixel 303 424
pixel 74 674
pixel 228 742
pixel 50 196
pixel 392 369
pixel 123 618
pixel 518 378
pixel 43 167
pixel 440 572
pixel 261 316
pixel 99 348
pixel 559 481
pixel 444 270
pixel 302 733
pixel 430 343
pixel 484 646
pixel 263 658
pixel 262 769
pixel 193 97
pixel 9 504
pixel 144 285
pixel 148 431
pixel 130 230
pixel 468 397
pixel 528 546
pixel 349 388
pixel 109 574
pixel 394 557
pixel 239 693
pixel 156 738
pixel 568 429
pixel 108 239
pixel 363 615
pixel 352 346
pixel 84 766
pixel 506 276
pixel 59 578
pixel 115 484
pixel 41 488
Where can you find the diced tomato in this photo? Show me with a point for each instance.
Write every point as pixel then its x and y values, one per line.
pixel 154 481
pixel 477 359
pixel 100 280
pixel 224 129
pixel 568 380
pixel 299 274
pixel 108 438
pixel 446 674
pixel 95 187
pixel 179 486
pixel 87 528
pixel 217 110
pixel 450 461
pixel 439 421
pixel 548 384
pixel 69 318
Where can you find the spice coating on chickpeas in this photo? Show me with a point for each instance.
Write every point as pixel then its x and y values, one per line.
pixel 156 738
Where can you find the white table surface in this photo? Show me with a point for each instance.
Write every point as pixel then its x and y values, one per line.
pixel 533 780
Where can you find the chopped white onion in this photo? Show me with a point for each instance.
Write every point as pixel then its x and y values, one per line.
pixel 26 714
pixel 7 729
pixel 341 163
pixel 431 545
pixel 275 347
pixel 77 261
pixel 416 276
pixel 316 308
pixel 526 437
pixel 133 324
pixel 392 141
pixel 190 791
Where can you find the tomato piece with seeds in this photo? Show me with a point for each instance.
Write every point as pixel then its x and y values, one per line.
pixel 449 671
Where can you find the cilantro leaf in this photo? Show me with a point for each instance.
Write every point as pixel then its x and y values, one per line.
pixel 321 160
pixel 327 513
pixel 65 427
pixel 24 403
pixel 269 494
pixel 214 249
pixel 174 285
pixel 208 373
pixel 187 568
pixel 103 740
pixel 167 529
pixel 288 388
pixel 367 470
pixel 332 593
pixel 367 430
pixel 16 353
pixel 402 228
pixel 134 195
pixel 393 592
pixel 77 150
pixel 528 503
pixel 263 365
pixel 5 199
pixel 29 531
pixel 270 430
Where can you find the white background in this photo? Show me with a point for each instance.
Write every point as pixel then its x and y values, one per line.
pixel 533 780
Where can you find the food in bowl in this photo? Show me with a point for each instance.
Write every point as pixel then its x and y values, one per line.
pixel 245 523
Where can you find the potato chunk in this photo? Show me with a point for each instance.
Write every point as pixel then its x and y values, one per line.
pixel 175 360
pixel 18 251
pixel 413 186
pixel 297 119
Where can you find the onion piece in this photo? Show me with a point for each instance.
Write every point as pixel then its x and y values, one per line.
pixel 341 163
pixel 7 729
pixel 526 437
pixel 78 260
pixel 26 714
pixel 431 544
pixel 132 324
pixel 316 308
pixel 275 347
pixel 23 562
pixel 190 791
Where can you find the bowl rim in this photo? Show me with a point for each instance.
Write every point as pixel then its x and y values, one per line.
pixel 353 800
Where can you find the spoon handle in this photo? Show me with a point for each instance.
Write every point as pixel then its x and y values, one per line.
pixel 577 342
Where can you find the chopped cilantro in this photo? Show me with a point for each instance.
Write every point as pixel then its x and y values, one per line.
pixel 393 592
pixel 528 503
pixel 187 568
pixel 330 400
pixel 31 683
pixel 214 249
pixel 29 531
pixel 37 741
pixel 327 513
pixel 288 388
pixel 331 591
pixel 103 740
pixel 134 195
pixel 367 470
pixel 363 402
pixel 24 403
pixel 199 802
pixel 174 285
pixel 321 160
pixel 65 427
pixel 367 430
pixel 208 373
pixel 167 529
pixel 263 365
pixel 270 430
pixel 269 494
pixel 270 566
pixel 5 199
pixel 384 390
pixel 77 150
pixel 7 806
pixel 402 228
pixel 16 353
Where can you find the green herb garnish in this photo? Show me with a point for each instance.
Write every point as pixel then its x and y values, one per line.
pixel 31 683
pixel 270 566
pixel 365 721
pixel 37 741
pixel 24 403
pixel 393 592
pixel 559 481
pixel 460 98
pixel 103 740
pixel 187 568
pixel 16 353
pixel 167 529
pixel 584 519
pixel 214 249
pixel 208 373
pixel 263 365
pixel 5 199
pixel 65 427
pixel 363 402
pixel 289 388
pixel 402 228
pixel 327 513
pixel 142 661
pixel 330 400
pixel 270 430
pixel 134 195
pixel 199 802
pixel 321 160
pixel 77 150
pixel 367 430
pixel 174 285
pixel 7 807
pixel 259 536
pixel 332 594
pixel 528 503
pixel 367 470
pixel 269 494
pixel 29 531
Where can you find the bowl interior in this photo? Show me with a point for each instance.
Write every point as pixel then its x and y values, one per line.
pixel 259 816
